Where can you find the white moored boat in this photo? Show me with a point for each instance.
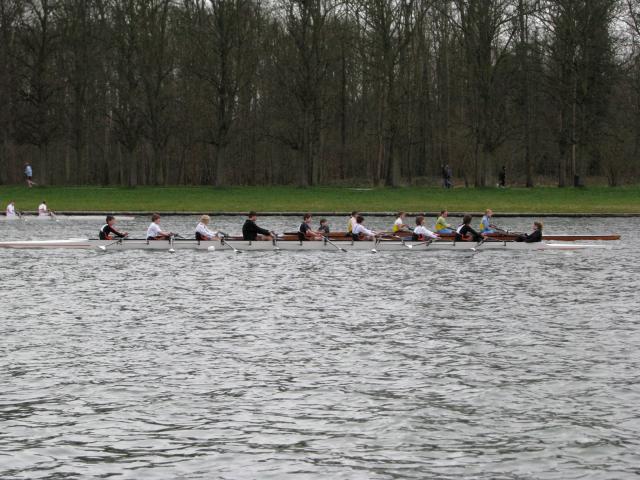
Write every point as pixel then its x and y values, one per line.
pixel 289 245
pixel 60 218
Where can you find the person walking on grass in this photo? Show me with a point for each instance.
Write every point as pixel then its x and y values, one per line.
pixel 28 174
pixel 446 177
pixel 502 177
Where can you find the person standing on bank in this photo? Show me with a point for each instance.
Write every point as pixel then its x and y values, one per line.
pixel 502 177
pixel 28 174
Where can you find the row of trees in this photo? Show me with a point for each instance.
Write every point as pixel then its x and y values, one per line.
pixel 309 92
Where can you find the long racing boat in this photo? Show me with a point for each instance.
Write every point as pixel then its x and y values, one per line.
pixel 287 243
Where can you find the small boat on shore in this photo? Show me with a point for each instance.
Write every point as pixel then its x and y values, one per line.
pixel 60 218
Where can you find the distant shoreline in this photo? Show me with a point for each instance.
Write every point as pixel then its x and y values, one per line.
pixel 328 201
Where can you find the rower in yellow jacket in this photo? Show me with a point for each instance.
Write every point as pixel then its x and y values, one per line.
pixel 399 225
pixel 442 226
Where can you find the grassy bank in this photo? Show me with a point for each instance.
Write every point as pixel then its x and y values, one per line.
pixel 282 199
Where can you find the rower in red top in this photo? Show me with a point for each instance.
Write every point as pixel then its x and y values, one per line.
pixel 107 230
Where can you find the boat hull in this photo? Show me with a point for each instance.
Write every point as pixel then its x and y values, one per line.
pixel 288 245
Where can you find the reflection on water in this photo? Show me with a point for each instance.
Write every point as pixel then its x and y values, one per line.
pixel 319 365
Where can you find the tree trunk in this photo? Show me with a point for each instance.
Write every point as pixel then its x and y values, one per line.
pixel 132 163
pixel 220 159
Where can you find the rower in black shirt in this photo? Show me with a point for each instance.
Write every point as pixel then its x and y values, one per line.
pixel 107 230
pixel 466 233
pixel 305 232
pixel 251 231
pixel 533 237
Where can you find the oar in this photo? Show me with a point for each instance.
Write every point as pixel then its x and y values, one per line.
pixel 377 240
pixel 402 241
pixel 53 215
pixel 224 242
pixel 326 239
pixel 275 241
pixel 426 243
pixel 104 247
pixel 483 241
pixel 171 239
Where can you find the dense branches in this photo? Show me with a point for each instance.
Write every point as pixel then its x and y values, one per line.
pixel 309 92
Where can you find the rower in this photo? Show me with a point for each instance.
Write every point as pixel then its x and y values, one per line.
pixel 465 232
pixel 360 232
pixel 442 226
pixel 352 222
pixel 324 227
pixel 203 232
pixel 252 232
pixel 107 230
pixel 42 209
pixel 399 225
pixel 11 209
pixel 154 232
pixel 305 232
pixel 422 233
pixel 485 224
pixel 533 237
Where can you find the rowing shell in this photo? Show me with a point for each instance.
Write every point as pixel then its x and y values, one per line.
pixel 289 245
pixel 494 236
pixel 62 218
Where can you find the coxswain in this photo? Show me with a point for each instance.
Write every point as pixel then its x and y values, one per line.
pixel 422 233
pixel 107 231
pixel 360 232
pixel 399 225
pixel 42 209
pixel 352 222
pixel 324 227
pixel 202 229
pixel 11 209
pixel 154 232
pixel 252 232
pixel 485 224
pixel 442 226
pixel 533 237
pixel 305 232
pixel 465 232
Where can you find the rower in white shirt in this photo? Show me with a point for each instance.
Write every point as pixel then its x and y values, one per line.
pixel 11 209
pixel 154 232
pixel 360 232
pixel 421 233
pixel 42 209
pixel 203 232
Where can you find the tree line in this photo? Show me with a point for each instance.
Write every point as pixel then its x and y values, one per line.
pixel 312 92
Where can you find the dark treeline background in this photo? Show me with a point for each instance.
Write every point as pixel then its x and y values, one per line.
pixel 308 92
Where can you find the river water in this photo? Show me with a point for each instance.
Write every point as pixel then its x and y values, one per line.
pixel 493 365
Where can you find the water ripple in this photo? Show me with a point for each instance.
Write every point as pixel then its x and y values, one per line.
pixel 497 365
